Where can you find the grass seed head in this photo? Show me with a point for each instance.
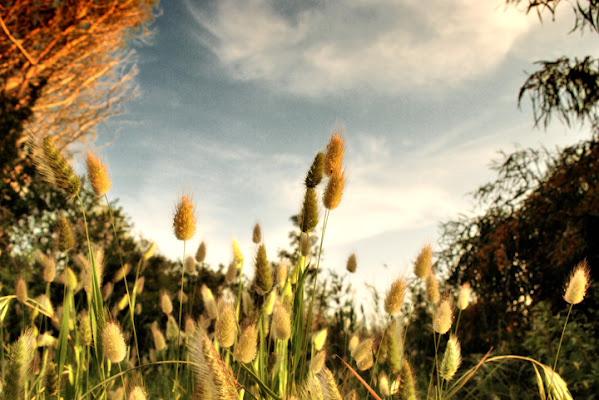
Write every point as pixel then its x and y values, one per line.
pixel 333 158
pixel 150 252
pixel 263 275
pixel 319 339
pixel 257 234
pixel 362 350
pixel 422 265
pixel 159 341
pixel 281 323
pixel 407 388
pixel 51 380
pixel 165 303
pixel 281 274
pixel 190 265
pixel 334 190
pixel 137 393
pixel 97 174
pixel 304 244
pixel 49 266
pixel 226 327
pixel 328 386
pixel 395 297
pixel 308 218
pixel 231 272
pixel 270 302
pixel 578 284
pixel 184 221
pixel 209 303
pixel 352 263
pixel 172 329
pixel 464 296
pixel 314 176
pixel 114 343
pixel 85 329
pixel 201 253
pixel 451 359
pixel 443 317
pixel 21 290
pixel 55 169
pixel 66 239
pixel 237 255
pixel 245 349
pixel 354 341
pixel 384 385
pixel 432 288
pixel 317 362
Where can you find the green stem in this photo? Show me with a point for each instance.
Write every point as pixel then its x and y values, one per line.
pixel 558 349
pixel 180 312
pixel 118 248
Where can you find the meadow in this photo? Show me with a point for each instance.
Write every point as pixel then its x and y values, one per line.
pixel 85 321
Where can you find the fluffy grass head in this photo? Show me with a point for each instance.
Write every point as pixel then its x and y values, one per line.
pixel 422 265
pixel 49 266
pixel 237 255
pixel 166 305
pixel 334 190
pixel 190 265
pixel 451 359
pixel 246 347
pixel 97 174
pixel 201 253
pixel 314 176
pixel 308 218
pixel 281 323
pixel 55 169
pixel 395 297
pixel 113 341
pixel 66 239
pixel 209 303
pixel 443 317
pixel 21 289
pixel 184 221
pixel 464 296
pixel 257 234
pixel 577 285
pixel 432 288
pixel 263 275
pixel 333 159
pixel 137 393
pixel 226 326
pixel 352 263
pixel 158 336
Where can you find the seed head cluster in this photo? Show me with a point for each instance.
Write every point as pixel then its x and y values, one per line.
pixel 97 174
pixel 578 284
pixel 184 222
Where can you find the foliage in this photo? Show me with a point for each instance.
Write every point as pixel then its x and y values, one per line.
pixel 74 51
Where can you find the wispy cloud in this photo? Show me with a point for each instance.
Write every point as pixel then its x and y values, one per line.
pixel 385 46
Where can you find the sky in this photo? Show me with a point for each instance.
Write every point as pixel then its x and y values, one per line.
pixel 238 97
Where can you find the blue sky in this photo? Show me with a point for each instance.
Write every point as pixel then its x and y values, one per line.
pixel 237 98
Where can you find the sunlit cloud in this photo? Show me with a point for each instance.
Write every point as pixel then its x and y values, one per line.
pixel 383 46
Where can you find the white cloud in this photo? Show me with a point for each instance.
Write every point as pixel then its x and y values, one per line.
pixel 386 46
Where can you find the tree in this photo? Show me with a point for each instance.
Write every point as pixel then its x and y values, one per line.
pixel 569 88
pixel 75 52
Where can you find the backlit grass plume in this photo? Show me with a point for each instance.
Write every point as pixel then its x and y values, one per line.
pixel 407 388
pixel 334 190
pixel 19 366
pixel 137 393
pixel 51 380
pixel 308 218
pixel 97 174
pixel 209 303
pixel 578 284
pixel 333 158
pixel 55 169
pixel 263 274
pixel 281 323
pixel 214 380
pixel 257 234
pixel 184 221
pixel 237 255
pixel 113 342
pixel 451 359
pixel 352 263
pixel 432 288
pixel 49 265
pixel 166 305
pixel 66 239
pixel 443 317
pixel 422 265
pixel 201 252
pixel 21 290
pixel 464 296
pixel 395 297
pixel 226 326
pixel 245 349
pixel 314 176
